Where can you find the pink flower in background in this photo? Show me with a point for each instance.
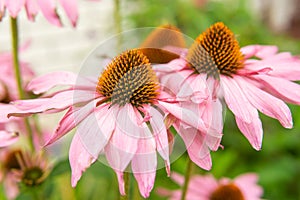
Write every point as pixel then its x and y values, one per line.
pixel 48 9
pixel 121 115
pixel 7 138
pixel 243 187
pixel 249 79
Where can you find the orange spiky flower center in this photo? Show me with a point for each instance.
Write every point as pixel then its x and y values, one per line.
pixel 129 78
pixel 216 51
pixel 227 192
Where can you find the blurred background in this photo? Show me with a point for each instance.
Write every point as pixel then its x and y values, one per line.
pixel 275 22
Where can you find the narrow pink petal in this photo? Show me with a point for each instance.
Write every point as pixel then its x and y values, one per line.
pixel 48 9
pixel 7 138
pixel 283 89
pixel 144 165
pixel 95 131
pixel 72 118
pixel 185 115
pixel 123 144
pixel 177 178
pixel 45 82
pixel 71 8
pixel 56 103
pixel 14 7
pixel 79 158
pixel 260 51
pixel 236 100
pixel 261 100
pixel 174 65
pixel 31 9
pixel 252 131
pixel 197 150
pixel 120 177
pixel 160 135
pixel 5 110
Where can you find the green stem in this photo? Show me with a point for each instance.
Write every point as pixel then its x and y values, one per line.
pixel 16 64
pixel 118 22
pixel 187 176
pixel 126 183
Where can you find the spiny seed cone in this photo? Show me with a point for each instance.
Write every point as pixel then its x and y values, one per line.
pixel 162 36
pixel 129 78
pixel 216 51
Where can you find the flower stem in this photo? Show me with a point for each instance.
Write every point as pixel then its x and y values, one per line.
pixel 16 64
pixel 126 183
pixel 187 176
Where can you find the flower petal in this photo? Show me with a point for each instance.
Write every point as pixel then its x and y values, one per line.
pixel 71 8
pixel 48 9
pixel 7 138
pixel 14 7
pixel 261 100
pixel 123 144
pixel 252 131
pixel 80 159
pixel 31 9
pixel 248 185
pixel 260 51
pixel 283 89
pixel 72 118
pixel 236 100
pixel 96 130
pixel 160 135
pixel 144 164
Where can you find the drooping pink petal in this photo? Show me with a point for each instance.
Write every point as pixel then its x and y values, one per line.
pixel 71 8
pixel 196 147
pixel 185 115
pixel 48 9
pixel 14 7
pixel 31 9
pixel 7 138
pixel 236 100
pixel 283 89
pixel 160 135
pixel 71 119
pixel 252 131
pixel 144 163
pixel 120 176
pixel 96 130
pixel 266 103
pixel 5 109
pixel 80 159
pixel 123 144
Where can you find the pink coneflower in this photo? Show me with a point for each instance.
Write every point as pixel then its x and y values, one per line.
pixel 121 115
pixel 243 187
pixel 48 8
pixel 18 167
pixel 249 79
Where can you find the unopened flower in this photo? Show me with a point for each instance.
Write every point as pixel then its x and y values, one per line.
pixel 48 9
pixel 249 79
pixel 206 187
pixel 121 115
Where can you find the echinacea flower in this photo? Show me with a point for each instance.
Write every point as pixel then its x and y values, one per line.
pixel 249 79
pixel 206 187
pixel 121 115
pixel 48 8
pixel 18 166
